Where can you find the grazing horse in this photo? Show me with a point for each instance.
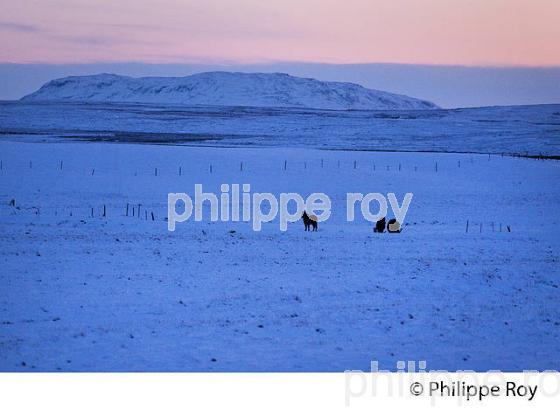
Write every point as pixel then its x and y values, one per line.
pixel 393 226
pixel 309 221
pixel 380 226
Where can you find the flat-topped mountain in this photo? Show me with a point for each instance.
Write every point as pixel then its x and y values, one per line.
pixel 225 89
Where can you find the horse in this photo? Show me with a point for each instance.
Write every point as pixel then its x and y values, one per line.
pixel 393 226
pixel 309 221
pixel 380 226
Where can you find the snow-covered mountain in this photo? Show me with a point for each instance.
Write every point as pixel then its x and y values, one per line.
pixel 225 88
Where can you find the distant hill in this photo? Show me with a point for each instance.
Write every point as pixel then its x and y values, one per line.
pixel 226 89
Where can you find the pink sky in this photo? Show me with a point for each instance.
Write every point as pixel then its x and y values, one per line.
pixel 463 32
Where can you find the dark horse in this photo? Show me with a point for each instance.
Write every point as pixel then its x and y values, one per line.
pixel 380 226
pixel 309 221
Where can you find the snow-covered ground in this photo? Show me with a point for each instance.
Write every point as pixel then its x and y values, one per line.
pixel 530 130
pixel 82 293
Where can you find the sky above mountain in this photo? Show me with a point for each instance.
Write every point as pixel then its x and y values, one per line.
pixel 455 53
pixel 459 32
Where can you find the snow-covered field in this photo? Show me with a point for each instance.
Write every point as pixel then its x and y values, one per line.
pixel 529 130
pixel 83 293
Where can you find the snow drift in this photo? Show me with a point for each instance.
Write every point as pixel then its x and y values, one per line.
pixel 226 89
